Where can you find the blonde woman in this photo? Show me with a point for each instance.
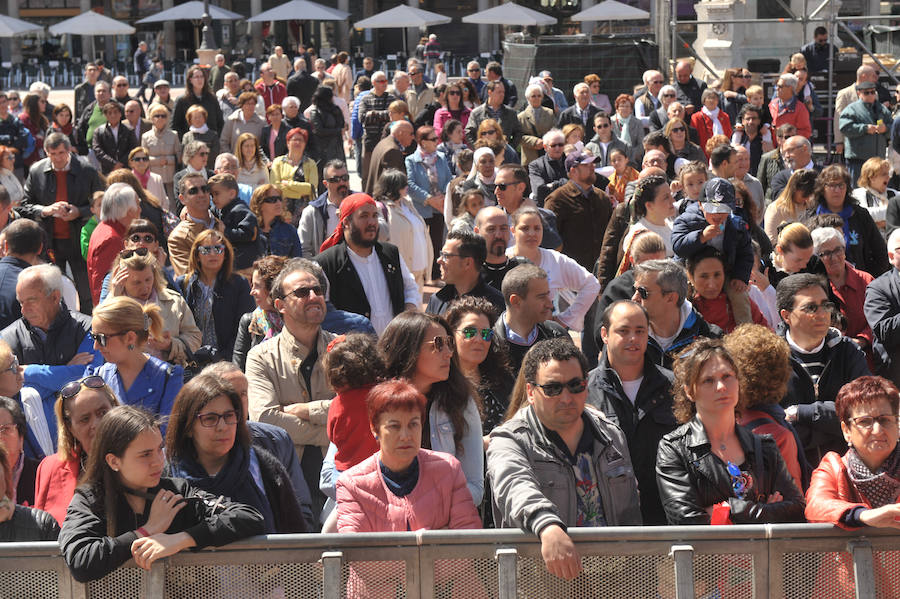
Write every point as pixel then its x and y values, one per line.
pixel 792 202
pixel 251 171
pixel 163 146
pixel 873 192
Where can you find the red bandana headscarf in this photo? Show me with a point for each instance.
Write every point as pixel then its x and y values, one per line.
pixel 349 205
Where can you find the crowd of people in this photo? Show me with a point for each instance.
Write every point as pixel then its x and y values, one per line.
pixel 207 334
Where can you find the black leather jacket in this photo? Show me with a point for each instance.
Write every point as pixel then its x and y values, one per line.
pixel 691 478
pixel 29 524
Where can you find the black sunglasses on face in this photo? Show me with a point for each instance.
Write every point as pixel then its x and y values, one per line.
pixel 272 199
pixel 576 385
pixel 504 186
pixel 192 191
pixel 126 254
pixel 103 338
pixel 338 179
pixel 141 159
pixel 303 292
pixel 470 332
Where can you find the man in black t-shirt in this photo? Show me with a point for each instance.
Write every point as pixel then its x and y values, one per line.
pixel 492 223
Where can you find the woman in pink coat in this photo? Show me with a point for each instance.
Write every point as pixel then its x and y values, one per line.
pixel 403 487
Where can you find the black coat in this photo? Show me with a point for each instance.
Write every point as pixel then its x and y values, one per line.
pixel 280 141
pixel 29 524
pixel 302 86
pixel 110 149
pixel 441 300
pixel 27 479
pixel 549 329
pixel 569 115
pixel 866 249
pixel 91 554
pixel 10 310
pixel 644 423
pixel 60 344
pixel 882 309
pixel 231 301
pixel 345 289
pixel 84 95
pixel 244 341
pixel 214 120
pixel 242 230
pixel 691 478
pixel 545 175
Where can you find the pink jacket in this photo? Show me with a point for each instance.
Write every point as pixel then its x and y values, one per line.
pixel 440 499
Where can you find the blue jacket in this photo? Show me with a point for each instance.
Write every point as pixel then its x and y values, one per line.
pixel 10 310
pixel 154 389
pixel 356 128
pixel 276 441
pixel 419 184
pixel 282 240
pixel 231 301
pixel 736 245
pixel 341 321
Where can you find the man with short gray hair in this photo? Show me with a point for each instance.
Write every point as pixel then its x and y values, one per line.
pixel 661 287
pixel 217 73
pixel 118 208
pixel 647 102
pixel 548 172
pixel 582 112
pixel 390 152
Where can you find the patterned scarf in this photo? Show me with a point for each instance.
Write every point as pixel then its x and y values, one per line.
pixel 267 324
pixel 430 162
pixel 880 487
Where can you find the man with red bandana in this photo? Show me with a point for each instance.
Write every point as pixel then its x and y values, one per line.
pixel 366 276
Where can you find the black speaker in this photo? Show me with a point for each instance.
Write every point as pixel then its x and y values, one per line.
pixel 764 65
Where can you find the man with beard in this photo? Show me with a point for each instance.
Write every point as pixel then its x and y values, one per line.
pixel 460 261
pixel 320 218
pixel 492 223
pixel 367 277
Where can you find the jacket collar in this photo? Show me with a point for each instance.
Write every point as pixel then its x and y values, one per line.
pixel 540 432
pixel 62 318
pixel 298 349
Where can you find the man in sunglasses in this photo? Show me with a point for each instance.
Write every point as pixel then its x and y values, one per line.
pixel 865 124
pixel 193 193
pixel 511 183
pixel 634 393
pixel 554 438
pixel 319 219
pixel 822 359
pixel 460 260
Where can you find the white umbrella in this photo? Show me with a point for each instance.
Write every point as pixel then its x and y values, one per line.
pixel 610 10
pixel 300 10
pixel 91 23
pixel 510 13
pixel 10 27
pixel 192 11
pixel 402 16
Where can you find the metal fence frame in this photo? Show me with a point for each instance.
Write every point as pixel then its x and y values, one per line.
pixel 768 545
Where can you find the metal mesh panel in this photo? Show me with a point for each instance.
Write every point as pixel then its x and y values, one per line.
pixel 257 581
pixel 470 578
pixel 29 584
pixel 729 576
pixel 122 582
pixel 814 575
pixel 623 577
pixel 887 569
pixel 375 580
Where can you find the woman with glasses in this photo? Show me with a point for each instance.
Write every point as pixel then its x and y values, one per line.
pixel 139 162
pixel 865 246
pixel 273 136
pixel 122 329
pixel 197 93
pixel 569 282
pixel 859 490
pixel 428 175
pixel 217 297
pixel 279 238
pixel 470 96
pixel 39 436
pixel 208 444
pixel 79 407
pixel 163 147
pixel 626 126
pixel 604 142
pixel 733 92
pixel 62 122
pixel 676 131
pixel 711 470
pixel 136 275
pixel 453 109
pixel 874 194
pixel 599 100
pixel 8 178
pixel 265 321
pixel 199 130
pixel 126 509
pixel 118 208
pixel 142 233
pixel 419 347
pixel 481 357
pixel 295 174
pixel 407 227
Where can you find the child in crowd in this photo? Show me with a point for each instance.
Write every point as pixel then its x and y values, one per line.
pixel 621 177
pixel 756 97
pixel 92 223
pixel 691 179
pixel 472 201
pixel 241 225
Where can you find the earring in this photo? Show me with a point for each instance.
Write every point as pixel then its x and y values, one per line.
pixel 130 347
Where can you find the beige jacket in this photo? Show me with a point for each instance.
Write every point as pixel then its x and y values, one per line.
pixel 178 320
pixel 343 81
pixel 162 146
pixel 181 240
pixel 275 381
pixel 401 232
pixel 281 66
pixel 533 130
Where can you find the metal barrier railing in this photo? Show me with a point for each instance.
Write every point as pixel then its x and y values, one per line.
pixel 732 562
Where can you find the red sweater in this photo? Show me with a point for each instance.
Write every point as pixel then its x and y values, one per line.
pixel 348 428
pixel 718 312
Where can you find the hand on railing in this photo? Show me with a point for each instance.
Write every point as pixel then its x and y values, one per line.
pixel 147 550
pixel 559 553
pixel 887 516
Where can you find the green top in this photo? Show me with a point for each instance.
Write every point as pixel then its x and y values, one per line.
pixel 97 119
pixel 86 231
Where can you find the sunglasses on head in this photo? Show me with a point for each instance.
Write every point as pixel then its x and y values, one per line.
pixel 470 332
pixel 72 389
pixel 272 199
pixel 205 250
pixel 440 342
pixel 138 238
pixel 126 254
pixel 576 385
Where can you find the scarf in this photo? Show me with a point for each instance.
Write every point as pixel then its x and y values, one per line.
pixel 144 179
pixel 349 205
pixel 430 162
pixel 265 323
pixel 880 487
pixel 714 115
pixel 474 172
pixel 850 237
pixel 623 129
pixel 234 480
pixel 199 130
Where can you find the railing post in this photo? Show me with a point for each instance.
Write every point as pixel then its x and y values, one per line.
pixel 863 568
pixel 154 581
pixel 331 574
pixel 684 571
pixel 507 559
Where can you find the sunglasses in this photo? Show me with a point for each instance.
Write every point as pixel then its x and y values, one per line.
pixel 158 116
pixel 141 159
pixel 429 139
pixel 645 293
pixel 205 250
pixel 454 94
pixel 470 332
pixel 103 338
pixel 272 199
pixel 211 419
pixel 868 92
pixel 13 366
pixel 668 95
pixel 72 389
pixel 303 292
pixel 503 186
pixel 440 342
pixel 678 129
pixel 126 254
pixel 138 238
pixel 126 85
pixel 576 385
pixel 192 191
pixel 602 126
pixel 812 309
pixel 338 179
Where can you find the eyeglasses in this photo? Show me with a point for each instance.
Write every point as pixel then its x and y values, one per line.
pixel 559 145
pixel 835 253
pixel 192 191
pixel 72 389
pixel 126 254
pixel 470 332
pixel 668 95
pixel 576 385
pixel 440 342
pixel 303 292
pixel 272 199
pixel 678 129
pixel 138 238
pixel 103 338
pixel 126 85
pixel 840 185
pixel 203 153
pixel 602 126
pixel 645 293
pixel 812 309
pixel 503 186
pixel 868 92
pixel 743 76
pixel 13 366
pixel 473 70
pixel 867 423
pixel 205 250
pixel 338 179
pixel 454 93
pixel 141 159
pixel 211 419
pixel 158 116
pixel 429 139
pixel 6 429
pixel 447 255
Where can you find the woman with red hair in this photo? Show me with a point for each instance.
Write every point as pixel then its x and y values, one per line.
pixel 295 174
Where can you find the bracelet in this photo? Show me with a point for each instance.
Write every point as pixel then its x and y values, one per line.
pixel 143 532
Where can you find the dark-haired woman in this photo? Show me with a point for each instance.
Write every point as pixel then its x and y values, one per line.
pixel 36 122
pixel 197 92
pixel 710 470
pixel 328 125
pixel 208 444
pixel 63 122
pixel 454 109
pixel 419 347
pixel 124 509
pixel 706 272
pixel 653 209
pixel 265 321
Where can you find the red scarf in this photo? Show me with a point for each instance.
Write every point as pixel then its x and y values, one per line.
pixel 349 205
pixel 144 179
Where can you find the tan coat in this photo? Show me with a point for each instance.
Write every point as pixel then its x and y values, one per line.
pixel 844 98
pixel 162 146
pixel 178 320
pixel 181 240
pixel 275 381
pixel 281 66
pixel 401 233
pixel 533 129
pixel 343 81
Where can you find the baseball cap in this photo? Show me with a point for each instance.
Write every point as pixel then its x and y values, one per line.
pixel 160 83
pixel 576 158
pixel 545 75
pixel 717 196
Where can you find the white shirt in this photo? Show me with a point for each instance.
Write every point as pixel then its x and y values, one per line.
pixel 333 218
pixel 631 388
pixel 374 283
pixel 420 250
